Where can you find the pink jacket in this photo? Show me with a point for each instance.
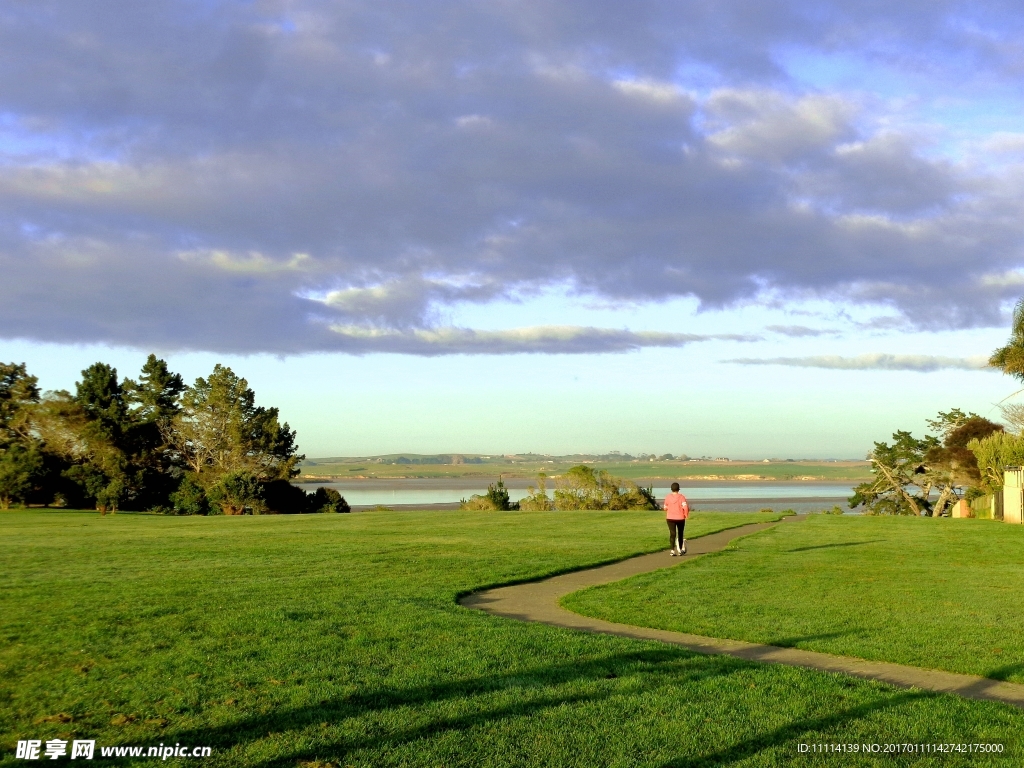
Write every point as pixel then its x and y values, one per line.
pixel 676 507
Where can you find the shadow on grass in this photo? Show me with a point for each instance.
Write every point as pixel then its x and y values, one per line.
pixel 789 733
pixel 832 546
pixel 530 699
pixel 1004 673
pixel 790 642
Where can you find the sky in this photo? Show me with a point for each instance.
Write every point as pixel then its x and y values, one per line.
pixel 745 228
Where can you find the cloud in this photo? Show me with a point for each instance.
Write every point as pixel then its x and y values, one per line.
pixel 873 362
pixel 800 331
pixel 548 339
pixel 243 176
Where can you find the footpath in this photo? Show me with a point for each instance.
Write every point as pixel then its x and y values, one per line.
pixel 539 601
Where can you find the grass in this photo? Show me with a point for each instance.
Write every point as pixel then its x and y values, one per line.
pixel 853 471
pixel 328 640
pixel 943 594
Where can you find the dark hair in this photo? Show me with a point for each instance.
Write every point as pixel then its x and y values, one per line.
pixel 675 487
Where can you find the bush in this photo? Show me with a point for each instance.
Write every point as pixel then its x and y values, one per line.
pixel 282 498
pixel 537 500
pixel 581 487
pixel 190 498
pixel 496 499
pixel 238 493
pixel 328 500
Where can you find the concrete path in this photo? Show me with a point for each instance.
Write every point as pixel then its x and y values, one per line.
pixel 538 601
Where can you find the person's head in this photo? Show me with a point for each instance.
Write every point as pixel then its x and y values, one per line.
pixel 675 487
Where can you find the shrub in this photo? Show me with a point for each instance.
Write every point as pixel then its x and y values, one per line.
pixel 190 498
pixel 537 500
pixel 283 498
pixel 328 500
pixel 581 487
pixel 496 499
pixel 238 493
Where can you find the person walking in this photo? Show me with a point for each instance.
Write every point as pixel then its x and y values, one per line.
pixel 677 509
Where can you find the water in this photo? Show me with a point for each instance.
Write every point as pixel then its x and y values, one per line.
pixel 800 497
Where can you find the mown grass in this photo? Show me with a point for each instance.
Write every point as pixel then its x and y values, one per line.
pixel 943 594
pixel 336 640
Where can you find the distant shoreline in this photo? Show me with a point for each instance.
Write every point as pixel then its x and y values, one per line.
pixel 521 483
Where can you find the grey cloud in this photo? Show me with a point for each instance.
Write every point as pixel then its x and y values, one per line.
pixel 872 362
pixel 241 177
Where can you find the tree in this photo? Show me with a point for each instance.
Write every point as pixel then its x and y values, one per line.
pixel 153 403
pixel 1010 358
pixel 19 468
pixel 18 391
pixel 237 493
pixel 953 465
pixel 21 464
pixel 155 398
pixel 496 499
pixel 994 454
pixel 104 430
pixel 897 468
pixel 220 431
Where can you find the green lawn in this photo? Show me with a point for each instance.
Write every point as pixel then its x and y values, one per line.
pixel 336 640
pixel 944 594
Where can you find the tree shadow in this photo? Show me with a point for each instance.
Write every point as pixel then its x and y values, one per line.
pixel 1003 673
pixel 832 546
pixel 787 734
pixel 790 642
pixel 639 663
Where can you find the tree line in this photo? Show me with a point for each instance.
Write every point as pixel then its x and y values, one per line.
pixel 964 459
pixel 149 444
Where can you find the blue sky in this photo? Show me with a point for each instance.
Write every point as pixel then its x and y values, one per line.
pixel 750 229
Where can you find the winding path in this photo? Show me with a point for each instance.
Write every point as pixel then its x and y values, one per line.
pixel 538 601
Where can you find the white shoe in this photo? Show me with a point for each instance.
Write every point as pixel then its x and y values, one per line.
pixel 683 550
pixel 673 552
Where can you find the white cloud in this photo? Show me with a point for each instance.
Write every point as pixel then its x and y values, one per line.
pixel 801 331
pixel 248 262
pixel 549 339
pixel 665 93
pixel 872 362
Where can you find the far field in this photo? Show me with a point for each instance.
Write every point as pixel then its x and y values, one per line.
pixel 529 467
pixel 319 641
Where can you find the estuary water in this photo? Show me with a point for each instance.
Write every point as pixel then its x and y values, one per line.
pixel 741 496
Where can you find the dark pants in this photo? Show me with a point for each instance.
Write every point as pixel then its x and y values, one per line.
pixel 675 528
